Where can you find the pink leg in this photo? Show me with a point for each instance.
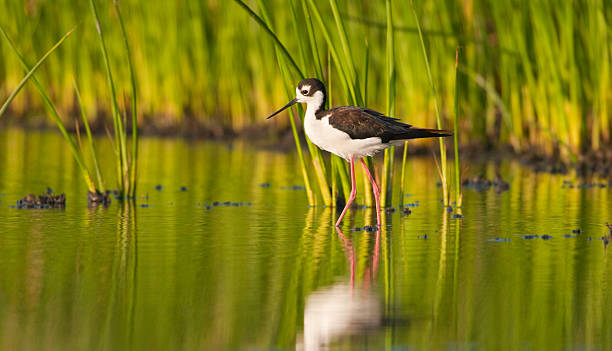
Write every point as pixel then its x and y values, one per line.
pixel 353 193
pixel 375 189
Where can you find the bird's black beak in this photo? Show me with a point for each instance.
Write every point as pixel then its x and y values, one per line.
pixel 292 102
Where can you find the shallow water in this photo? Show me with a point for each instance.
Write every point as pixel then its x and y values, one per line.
pixel 273 274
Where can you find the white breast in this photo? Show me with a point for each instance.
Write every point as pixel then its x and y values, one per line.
pixel 328 138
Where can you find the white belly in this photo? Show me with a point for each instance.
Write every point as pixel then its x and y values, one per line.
pixel 328 138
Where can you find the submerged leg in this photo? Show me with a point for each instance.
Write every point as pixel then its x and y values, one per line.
pixel 353 193
pixel 374 189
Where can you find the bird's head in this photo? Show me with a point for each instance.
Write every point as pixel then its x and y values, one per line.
pixel 310 91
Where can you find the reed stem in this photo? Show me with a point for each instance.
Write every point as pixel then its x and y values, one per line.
pixel 443 176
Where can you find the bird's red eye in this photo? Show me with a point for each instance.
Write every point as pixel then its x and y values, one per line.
pixel 304 92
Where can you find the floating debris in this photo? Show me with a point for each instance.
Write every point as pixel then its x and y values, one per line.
pixel 264 185
pixel 457 215
pixel 546 237
pixel 390 210
pixel 95 198
pixel 293 187
pixel 183 188
pixel 568 236
pixel 499 240
pixel 144 205
pixel 159 187
pixel 529 237
pixel 449 209
pixel 370 228
pixel 43 201
pixel 424 236
pixel 49 191
pixel 356 229
pixel 406 211
pixel 577 231
pixel 231 204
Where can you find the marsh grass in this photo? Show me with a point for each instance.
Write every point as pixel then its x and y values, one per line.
pixel 389 155
pixel 458 194
pixel 92 146
pixel 126 162
pixel 265 24
pixel 443 165
pixel 339 50
pixel 133 166
pixel 31 72
pixel 547 62
pixel 535 75
pixel 47 101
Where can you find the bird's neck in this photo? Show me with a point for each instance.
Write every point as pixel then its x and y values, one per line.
pixel 316 107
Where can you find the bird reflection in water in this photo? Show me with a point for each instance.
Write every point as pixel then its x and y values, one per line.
pixel 342 310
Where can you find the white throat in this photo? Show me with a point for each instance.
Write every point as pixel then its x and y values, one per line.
pixel 314 103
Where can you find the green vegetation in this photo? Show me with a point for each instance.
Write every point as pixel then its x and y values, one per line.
pixel 31 72
pixel 458 194
pixel 537 74
pixel 442 166
pixel 126 164
pixel 76 152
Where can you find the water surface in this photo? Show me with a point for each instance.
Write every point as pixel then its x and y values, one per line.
pixel 268 272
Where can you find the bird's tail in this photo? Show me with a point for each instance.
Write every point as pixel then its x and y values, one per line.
pixel 415 133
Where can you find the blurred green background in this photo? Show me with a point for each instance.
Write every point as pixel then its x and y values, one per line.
pixel 534 73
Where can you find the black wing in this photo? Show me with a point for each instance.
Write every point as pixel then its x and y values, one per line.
pixel 362 123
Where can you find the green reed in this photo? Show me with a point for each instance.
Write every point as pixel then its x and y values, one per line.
pixel 31 72
pixel 347 76
pixel 443 172
pixel 92 146
pixel 132 170
pixel 76 152
pixel 280 48
pixel 389 156
pixel 458 194
pixel 126 163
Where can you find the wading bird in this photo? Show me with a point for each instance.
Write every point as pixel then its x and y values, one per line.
pixel 351 132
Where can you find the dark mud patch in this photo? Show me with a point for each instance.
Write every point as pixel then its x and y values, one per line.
pixel 43 201
pixel 590 162
pixel 99 198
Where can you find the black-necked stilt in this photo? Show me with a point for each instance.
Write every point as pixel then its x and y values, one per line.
pixel 351 132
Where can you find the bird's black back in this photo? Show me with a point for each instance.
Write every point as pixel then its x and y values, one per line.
pixel 363 123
